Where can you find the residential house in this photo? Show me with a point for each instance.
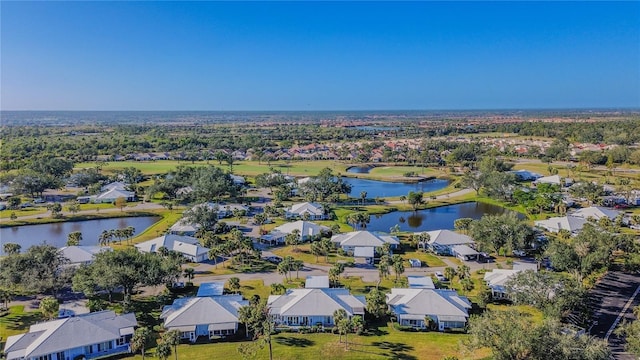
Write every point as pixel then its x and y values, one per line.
pixel 238 180
pixel 302 210
pixel 352 241
pixel 209 316
pixel 309 307
pixel 118 185
pixel 182 227
pixel 82 255
pixel 554 179
pixel 112 195
pixel 496 279
pixel 88 336
pixel 224 210
pixel 447 242
pixel 186 245
pixel 570 223
pixel 526 175
pixel 420 282
pixel 595 212
pixel 317 282
pixel 446 309
pixel 307 229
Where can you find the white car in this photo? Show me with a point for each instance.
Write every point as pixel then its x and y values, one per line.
pixel 519 253
pixel 440 276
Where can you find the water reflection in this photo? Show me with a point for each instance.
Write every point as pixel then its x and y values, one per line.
pixel 433 219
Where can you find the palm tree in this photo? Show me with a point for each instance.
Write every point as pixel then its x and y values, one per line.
pixel 297 265
pixel 234 284
pixel 363 196
pixel 189 273
pixel 172 337
pixel 403 198
pixel 449 273
pixel 398 266
pixel 74 238
pixel 163 350
pixel 338 316
pixel 104 238
pixel 395 229
pixel 140 339
pixel 214 252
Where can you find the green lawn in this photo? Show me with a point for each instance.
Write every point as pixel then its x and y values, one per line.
pixel 6 214
pixel 428 259
pixel 249 168
pixel 383 343
pixel 16 322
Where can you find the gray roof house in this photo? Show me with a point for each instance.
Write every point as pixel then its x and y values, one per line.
pixel 186 245
pixel 363 239
pixel 596 212
pixel 111 195
pixel 314 211
pixel 309 307
pixel 307 230
pixel 182 227
pixel 78 255
pixel 210 316
pixel 496 279
pixel 447 242
pixel 90 335
pixel 446 308
pixel 571 223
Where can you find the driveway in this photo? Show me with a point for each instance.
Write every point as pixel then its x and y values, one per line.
pixel 612 301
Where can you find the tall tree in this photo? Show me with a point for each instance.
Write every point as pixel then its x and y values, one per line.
pixel 140 340
pixel 74 238
pixel 49 307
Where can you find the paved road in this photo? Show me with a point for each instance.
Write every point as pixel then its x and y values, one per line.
pixel 611 300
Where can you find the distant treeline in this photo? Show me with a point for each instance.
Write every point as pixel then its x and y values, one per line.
pixel 23 144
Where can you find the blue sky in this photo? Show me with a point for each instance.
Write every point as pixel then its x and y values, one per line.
pixel 318 56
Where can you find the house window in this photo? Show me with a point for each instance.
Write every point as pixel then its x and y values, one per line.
pixel 44 357
pixel 184 334
pixel 121 341
pixel 88 349
pixel 107 345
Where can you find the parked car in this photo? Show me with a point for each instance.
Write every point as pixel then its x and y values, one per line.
pixel 519 253
pixel 440 276
pixel 274 259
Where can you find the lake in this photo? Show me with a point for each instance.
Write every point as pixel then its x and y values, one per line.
pixel 376 188
pixel 56 234
pixel 359 169
pixel 433 219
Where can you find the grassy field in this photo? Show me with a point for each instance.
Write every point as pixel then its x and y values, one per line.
pixel 17 322
pixel 382 343
pixel 248 168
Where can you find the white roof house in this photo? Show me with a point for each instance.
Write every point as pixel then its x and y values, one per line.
pixel 203 316
pixel 555 224
pixel 99 334
pixel 118 185
pixel 497 278
pixel 308 307
pixel 554 179
pixel 448 238
pixel 317 282
pixel 315 211
pixel 420 282
pixel 181 227
pixel 79 255
pixel 186 245
pixel 113 194
pixel 307 231
pixel 446 308
pixel 595 212
pixel 352 240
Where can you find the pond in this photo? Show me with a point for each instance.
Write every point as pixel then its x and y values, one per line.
pixel 56 234
pixel 359 169
pixel 376 188
pixel 433 219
